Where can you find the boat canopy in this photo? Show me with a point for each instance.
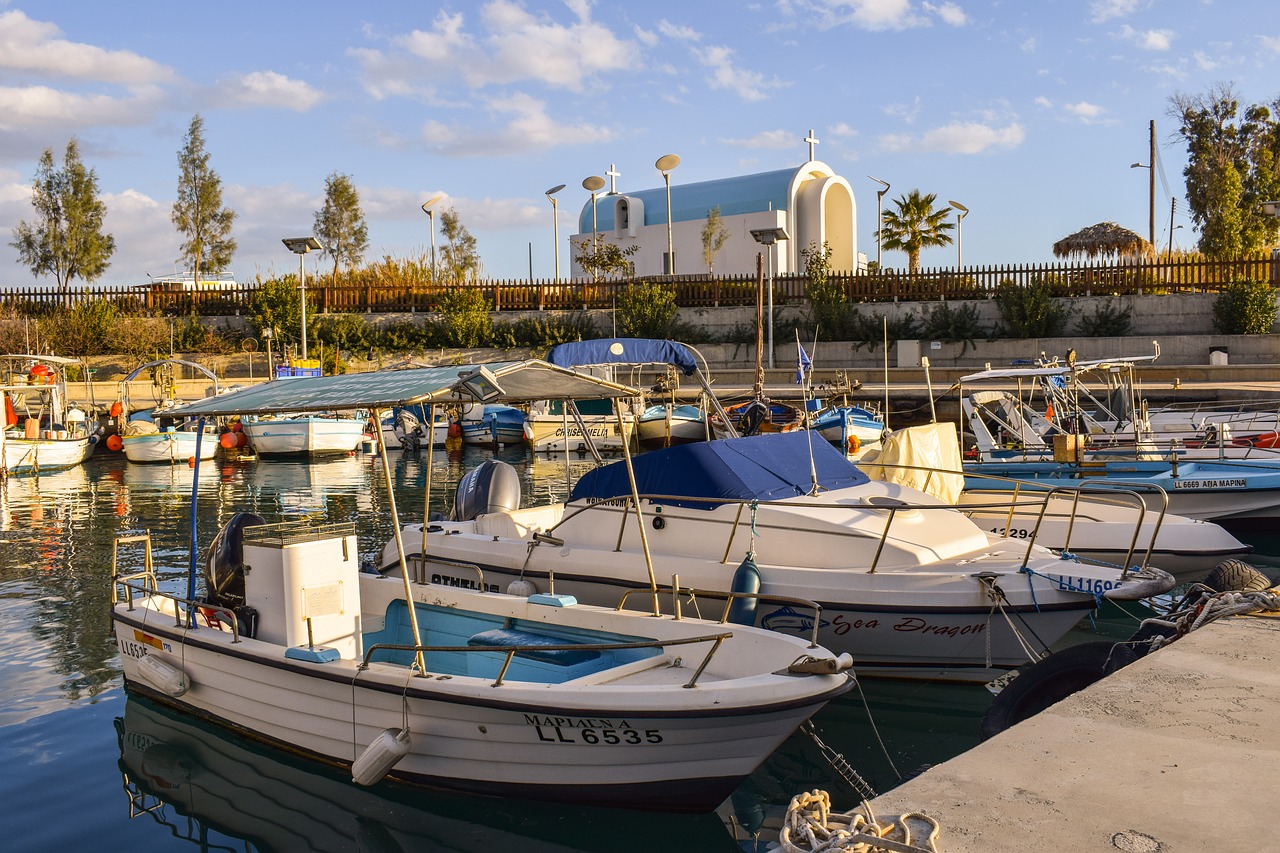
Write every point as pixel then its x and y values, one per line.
pixel 489 383
pixel 624 351
pixel 760 467
pixel 193 365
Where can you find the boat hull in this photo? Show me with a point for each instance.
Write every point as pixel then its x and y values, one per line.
pixel 31 455
pixel 171 447
pixel 304 435
pixel 663 426
pixel 555 434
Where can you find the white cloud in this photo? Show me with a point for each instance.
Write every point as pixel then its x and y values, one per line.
pixel 773 140
pixel 1271 43
pixel 33 46
pixel 1028 45
pixel 871 15
pixel 269 89
pixel 748 85
pixel 1042 101
pixel 678 32
pixel 906 112
pixel 1148 39
pixel 1086 112
pixel 1106 10
pixel 957 138
pixel 528 128
pixel 47 108
pixel 648 38
pixel 949 13
pixel 842 130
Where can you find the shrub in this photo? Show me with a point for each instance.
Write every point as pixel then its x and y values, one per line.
pixel 1030 311
pixel 465 319
pixel 946 323
pixel 1245 308
pixel 340 330
pixel 647 311
pixel 276 305
pixel 1107 321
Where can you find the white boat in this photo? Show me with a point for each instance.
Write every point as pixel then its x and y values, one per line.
pixel 1109 524
pixel 155 436
pixel 665 424
pixel 407 428
pixel 493 425
pixel 466 689
pixel 909 586
pixel 555 426
pixel 42 431
pixel 304 434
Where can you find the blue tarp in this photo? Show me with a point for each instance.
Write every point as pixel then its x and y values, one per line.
pixel 623 351
pixel 761 467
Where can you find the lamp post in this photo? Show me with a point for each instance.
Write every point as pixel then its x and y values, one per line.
pixel 1150 166
pixel 555 226
pixel 431 217
pixel 769 238
pixel 884 188
pixel 593 184
pixel 665 164
pixel 963 211
pixel 267 335
pixel 301 246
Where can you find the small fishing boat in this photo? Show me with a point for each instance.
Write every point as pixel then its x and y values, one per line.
pixel 407 427
pixel 856 429
pixel 304 434
pixel 495 424
pixel 909 586
pixel 423 680
pixel 42 431
pixel 154 436
pixel 666 424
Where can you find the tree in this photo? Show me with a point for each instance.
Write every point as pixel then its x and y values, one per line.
pixel 714 235
pixel 198 213
pixel 605 258
pixel 340 223
pixel 915 226
pixel 66 239
pixel 1233 165
pixel 461 260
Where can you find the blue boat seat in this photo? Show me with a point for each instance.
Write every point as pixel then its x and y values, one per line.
pixel 508 637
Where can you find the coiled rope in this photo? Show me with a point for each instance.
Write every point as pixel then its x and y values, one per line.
pixel 810 827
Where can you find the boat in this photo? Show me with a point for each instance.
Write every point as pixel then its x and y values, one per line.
pixel 909 586
pixel 154 436
pixel 493 425
pixel 42 430
pixel 467 688
pixel 297 433
pixel 202 784
pixel 407 428
pixel 856 429
pixel 665 424
pixel 559 426
pixel 1110 524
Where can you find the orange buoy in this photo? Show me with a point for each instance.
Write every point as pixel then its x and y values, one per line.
pixel 854 445
pixel 227 440
pixel 114 442
pixel 234 426
pixel 117 408
pixel 242 439
pixel 455 430
pixel 10 416
pixel 191 462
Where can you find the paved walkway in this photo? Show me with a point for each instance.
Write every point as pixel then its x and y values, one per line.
pixel 1179 751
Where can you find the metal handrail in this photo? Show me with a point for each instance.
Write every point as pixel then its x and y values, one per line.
pixel 188 605
pixel 420 561
pixel 676 590
pixel 512 651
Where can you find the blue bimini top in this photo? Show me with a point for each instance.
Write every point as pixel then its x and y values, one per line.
pixel 761 467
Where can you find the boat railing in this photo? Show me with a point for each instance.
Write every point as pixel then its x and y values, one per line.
pixel 418 566
pixel 677 591
pixel 890 507
pixel 145 585
pixel 511 651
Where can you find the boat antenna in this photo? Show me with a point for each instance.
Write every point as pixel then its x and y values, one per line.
pixel 803 377
pixel 885 419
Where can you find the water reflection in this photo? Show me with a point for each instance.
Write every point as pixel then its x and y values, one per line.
pixel 201 784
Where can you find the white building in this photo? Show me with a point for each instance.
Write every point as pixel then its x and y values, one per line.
pixel 811 203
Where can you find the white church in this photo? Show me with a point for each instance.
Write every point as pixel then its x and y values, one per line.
pixel 799 207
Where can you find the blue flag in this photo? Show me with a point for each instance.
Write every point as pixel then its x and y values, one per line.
pixel 803 364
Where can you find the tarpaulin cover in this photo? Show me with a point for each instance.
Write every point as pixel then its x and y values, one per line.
pixel 761 467
pixel 623 351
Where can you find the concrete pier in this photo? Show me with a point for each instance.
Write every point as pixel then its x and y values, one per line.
pixel 1179 751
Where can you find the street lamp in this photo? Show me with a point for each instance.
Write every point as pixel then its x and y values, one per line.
pixel 593 184
pixel 267 335
pixel 665 164
pixel 301 246
pixel 959 218
pixel 770 237
pixel 879 219
pixel 431 216
pixel 555 225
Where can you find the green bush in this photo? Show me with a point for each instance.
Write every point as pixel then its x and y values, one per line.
pixel 276 305
pixel 543 332
pixel 465 320
pixel 1245 308
pixel 954 325
pixel 1107 321
pixel 647 311
pixel 1030 311
pixel 339 330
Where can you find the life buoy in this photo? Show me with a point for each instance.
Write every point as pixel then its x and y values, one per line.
pixel 853 445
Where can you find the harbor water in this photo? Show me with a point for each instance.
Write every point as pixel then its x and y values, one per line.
pixel 86 765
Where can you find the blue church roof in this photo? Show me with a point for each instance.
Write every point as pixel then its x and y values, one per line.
pixel 689 202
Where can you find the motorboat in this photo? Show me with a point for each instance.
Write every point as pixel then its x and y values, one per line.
pixel 1105 523
pixel 154 436
pixel 459 687
pixel 856 429
pixel 304 433
pixel 407 428
pixel 665 424
pixel 560 426
pixel 203 784
pixel 493 425
pixel 909 586
pixel 42 430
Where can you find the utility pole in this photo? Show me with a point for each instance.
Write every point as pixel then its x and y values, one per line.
pixel 1151 229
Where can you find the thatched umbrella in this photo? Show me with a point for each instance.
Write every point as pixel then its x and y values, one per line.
pixel 1102 241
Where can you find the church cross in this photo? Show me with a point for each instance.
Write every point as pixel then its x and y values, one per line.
pixel 812 142
pixel 613 174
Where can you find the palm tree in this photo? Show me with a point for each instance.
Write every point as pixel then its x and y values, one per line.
pixel 914 226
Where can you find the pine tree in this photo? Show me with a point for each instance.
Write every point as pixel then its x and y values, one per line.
pixel 198 213
pixel 461 258
pixel 340 224
pixel 66 239
pixel 714 235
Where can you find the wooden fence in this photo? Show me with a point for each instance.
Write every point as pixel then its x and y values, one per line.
pixel 698 291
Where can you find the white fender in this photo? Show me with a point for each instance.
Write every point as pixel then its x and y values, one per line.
pixel 380 756
pixel 163 676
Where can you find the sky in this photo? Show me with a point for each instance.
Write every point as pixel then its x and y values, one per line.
pixel 1027 112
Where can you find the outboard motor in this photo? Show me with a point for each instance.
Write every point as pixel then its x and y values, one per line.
pixel 224 567
pixel 493 486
